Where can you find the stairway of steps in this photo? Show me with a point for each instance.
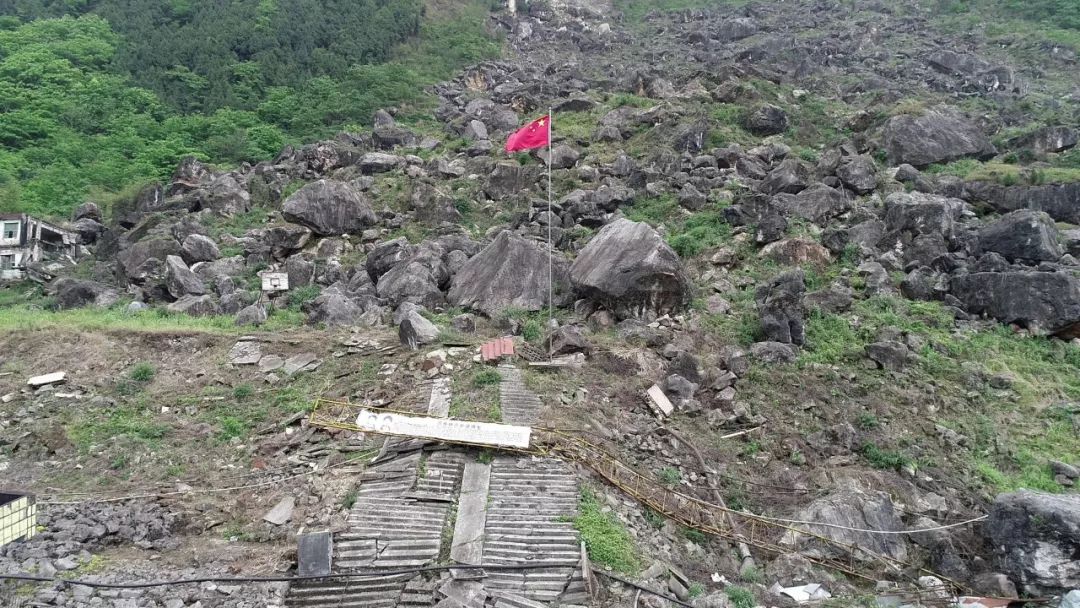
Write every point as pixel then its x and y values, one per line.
pixel 402 507
pixel 519 405
pixel 530 507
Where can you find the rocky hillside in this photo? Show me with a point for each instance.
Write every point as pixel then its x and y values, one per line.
pixel 839 236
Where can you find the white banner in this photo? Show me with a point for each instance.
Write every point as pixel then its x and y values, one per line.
pixel 482 433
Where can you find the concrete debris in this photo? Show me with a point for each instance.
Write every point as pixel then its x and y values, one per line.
pixel 803 593
pixel 303 362
pixel 47 379
pixel 282 511
pixel 660 400
pixel 245 353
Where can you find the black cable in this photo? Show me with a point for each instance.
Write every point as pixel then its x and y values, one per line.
pixel 624 581
pixel 296 579
pixel 277 579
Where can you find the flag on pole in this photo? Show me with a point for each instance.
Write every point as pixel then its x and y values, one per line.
pixel 536 134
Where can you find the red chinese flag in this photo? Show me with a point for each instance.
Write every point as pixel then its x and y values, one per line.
pixel 533 135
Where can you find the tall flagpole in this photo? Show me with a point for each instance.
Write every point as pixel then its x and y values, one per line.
pixel 551 250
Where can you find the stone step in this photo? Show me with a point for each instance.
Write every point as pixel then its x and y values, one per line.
pixel 533 539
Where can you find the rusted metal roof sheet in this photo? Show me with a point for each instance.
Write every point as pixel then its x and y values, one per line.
pixel 497 349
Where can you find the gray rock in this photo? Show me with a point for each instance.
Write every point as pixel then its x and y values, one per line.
pixel 89 211
pixel 910 214
pixel 780 305
pixel 630 270
pixel 939 135
pixel 567 340
pixel 818 204
pixel 329 208
pixel 1044 302
pixel 254 315
pixel 333 308
pixel 1059 200
pixel 859 174
pixel 286 240
pixel 199 248
pixel 417 280
pixel 773 352
pixel 767 120
pixel 845 509
pixel 1023 235
pixel 994 584
pixel 509 179
pixel 791 176
pixel 893 356
pixel 691 198
pixel 420 330
pixel 179 279
pixel 386 255
pixel 388 137
pixel 1036 537
pixel 1047 140
pixel 133 259
pixel 76 293
pixel 89 230
pixel 464 323
pixel 731 30
pixel 225 195
pixel 196 306
pixel 1070 599
pixel 510 272
pixel 563 156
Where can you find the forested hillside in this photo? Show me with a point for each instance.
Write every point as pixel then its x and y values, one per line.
pixel 98 97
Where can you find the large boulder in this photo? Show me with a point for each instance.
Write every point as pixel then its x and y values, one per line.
pixel 938 135
pixel 847 513
pixel 88 229
pixel 412 281
pixel 133 260
pixel 225 195
pixel 511 272
pixel 767 120
pixel 909 215
pixel 859 174
pixel 816 204
pixel 329 208
pixel 1045 302
pixel 197 306
pixel 1037 540
pixel 1023 235
pixel 199 248
pixel 629 269
pixel 179 279
pixel 1061 201
pixel 508 179
pixel 386 255
pixel 333 308
pixel 1047 139
pixel 76 293
pixel 780 305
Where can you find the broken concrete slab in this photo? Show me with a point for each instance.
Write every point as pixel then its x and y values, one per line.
pixel 245 353
pixel 314 553
pixel 468 544
pixel 660 400
pixel 282 511
pixel 303 362
pixel 270 363
pixel 47 379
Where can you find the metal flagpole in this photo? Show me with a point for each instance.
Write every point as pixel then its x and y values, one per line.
pixel 551 250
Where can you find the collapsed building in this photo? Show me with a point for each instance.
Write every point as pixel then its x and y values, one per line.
pixel 29 246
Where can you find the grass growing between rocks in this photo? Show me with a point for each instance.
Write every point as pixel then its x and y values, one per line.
pixel 606 539
pixel 475 395
pixel 154 320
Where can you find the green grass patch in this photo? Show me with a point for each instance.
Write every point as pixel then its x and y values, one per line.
pixel 606 539
pixel 740 597
pixel 142 372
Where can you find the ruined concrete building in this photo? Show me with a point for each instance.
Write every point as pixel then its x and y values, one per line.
pixel 28 244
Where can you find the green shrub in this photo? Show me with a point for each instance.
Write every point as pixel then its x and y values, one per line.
pixel 884 459
pixel 605 538
pixel 302 295
pixel 486 377
pixel 740 597
pixel 243 392
pixel 143 372
pixel 670 476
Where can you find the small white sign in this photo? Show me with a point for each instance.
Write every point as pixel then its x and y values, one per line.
pixel 481 433
pixel 275 281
